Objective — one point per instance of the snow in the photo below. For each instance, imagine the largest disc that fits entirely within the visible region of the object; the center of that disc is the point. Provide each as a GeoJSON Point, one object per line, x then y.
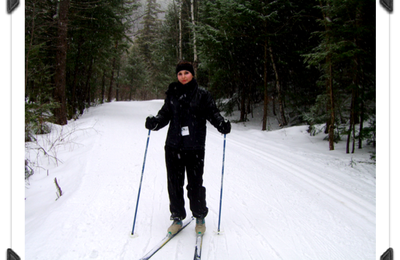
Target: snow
{"type": "Point", "coordinates": [285, 195]}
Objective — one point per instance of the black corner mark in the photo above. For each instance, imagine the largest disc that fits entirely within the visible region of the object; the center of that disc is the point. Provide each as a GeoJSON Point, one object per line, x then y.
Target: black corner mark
{"type": "Point", "coordinates": [11, 255]}
{"type": "Point", "coordinates": [388, 4]}
{"type": "Point", "coordinates": [388, 255]}
{"type": "Point", "coordinates": [11, 5]}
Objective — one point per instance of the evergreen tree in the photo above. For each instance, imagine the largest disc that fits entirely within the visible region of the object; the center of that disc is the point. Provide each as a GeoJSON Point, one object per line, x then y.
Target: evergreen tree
{"type": "Point", "coordinates": [146, 38]}
{"type": "Point", "coordinates": [135, 74]}
{"type": "Point", "coordinates": [150, 24]}
{"type": "Point", "coordinates": [85, 49]}
{"type": "Point", "coordinates": [346, 52]}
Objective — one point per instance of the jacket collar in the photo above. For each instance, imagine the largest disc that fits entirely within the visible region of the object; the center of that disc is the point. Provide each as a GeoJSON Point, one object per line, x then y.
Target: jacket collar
{"type": "Point", "coordinates": [182, 91]}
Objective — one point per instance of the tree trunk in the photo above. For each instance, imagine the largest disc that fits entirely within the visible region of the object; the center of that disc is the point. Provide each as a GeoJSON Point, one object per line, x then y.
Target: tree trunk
{"type": "Point", "coordinates": [60, 113]}
{"type": "Point", "coordinates": [194, 38]}
{"type": "Point", "coordinates": [249, 99]}
{"type": "Point", "coordinates": [112, 76]}
{"type": "Point", "coordinates": [30, 45]}
{"type": "Point", "coordinates": [273, 104]}
{"type": "Point", "coordinates": [85, 98]}
{"type": "Point", "coordinates": [117, 86]}
{"type": "Point", "coordinates": [180, 30]}
{"type": "Point", "coordinates": [103, 87]}
{"type": "Point", "coordinates": [109, 95]}
{"type": "Point", "coordinates": [243, 104]}
{"type": "Point", "coordinates": [176, 22]}
{"type": "Point", "coordinates": [360, 135]}
{"type": "Point", "coordinates": [332, 123]}
{"type": "Point", "coordinates": [351, 127]}
{"type": "Point", "coordinates": [329, 83]}
{"type": "Point", "coordinates": [76, 71]}
{"type": "Point", "coordinates": [131, 89]}
{"type": "Point", "coordinates": [264, 123]}
{"type": "Point", "coordinates": [278, 89]}
{"type": "Point", "coordinates": [359, 77]}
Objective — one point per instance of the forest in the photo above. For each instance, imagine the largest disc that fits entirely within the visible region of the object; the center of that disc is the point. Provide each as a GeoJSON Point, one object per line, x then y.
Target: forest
{"type": "Point", "coordinates": [312, 62]}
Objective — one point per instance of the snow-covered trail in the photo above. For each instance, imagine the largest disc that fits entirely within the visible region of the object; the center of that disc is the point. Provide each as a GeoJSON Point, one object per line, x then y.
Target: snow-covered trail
{"type": "Point", "coordinates": [283, 197]}
{"type": "Point", "coordinates": [288, 207]}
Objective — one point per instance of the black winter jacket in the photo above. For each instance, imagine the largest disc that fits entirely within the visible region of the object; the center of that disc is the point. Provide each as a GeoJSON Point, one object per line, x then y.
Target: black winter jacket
{"type": "Point", "coordinates": [188, 106]}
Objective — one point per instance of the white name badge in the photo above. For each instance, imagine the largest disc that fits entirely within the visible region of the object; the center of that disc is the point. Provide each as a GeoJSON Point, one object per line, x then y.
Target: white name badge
{"type": "Point", "coordinates": [185, 130]}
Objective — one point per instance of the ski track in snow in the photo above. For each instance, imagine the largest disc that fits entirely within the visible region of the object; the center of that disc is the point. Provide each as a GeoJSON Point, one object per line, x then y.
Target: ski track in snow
{"type": "Point", "coordinates": [302, 226]}
{"type": "Point", "coordinates": [279, 201]}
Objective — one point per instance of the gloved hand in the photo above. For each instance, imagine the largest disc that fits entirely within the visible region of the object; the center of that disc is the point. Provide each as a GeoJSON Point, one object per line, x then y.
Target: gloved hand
{"type": "Point", "coordinates": [151, 122]}
{"type": "Point", "coordinates": [224, 127]}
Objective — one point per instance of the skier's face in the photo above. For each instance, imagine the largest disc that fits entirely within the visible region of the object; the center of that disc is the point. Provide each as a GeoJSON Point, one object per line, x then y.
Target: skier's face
{"type": "Point", "coordinates": [184, 76]}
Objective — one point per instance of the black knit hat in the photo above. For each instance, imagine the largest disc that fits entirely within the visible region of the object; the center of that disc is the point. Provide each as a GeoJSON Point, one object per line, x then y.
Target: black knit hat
{"type": "Point", "coordinates": [185, 65]}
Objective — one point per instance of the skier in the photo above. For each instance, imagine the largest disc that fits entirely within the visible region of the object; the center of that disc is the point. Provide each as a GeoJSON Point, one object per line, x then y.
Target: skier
{"type": "Point", "coordinates": [186, 108]}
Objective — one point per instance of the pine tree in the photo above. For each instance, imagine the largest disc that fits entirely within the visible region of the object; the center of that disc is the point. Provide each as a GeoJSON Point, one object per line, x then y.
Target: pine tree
{"type": "Point", "coordinates": [149, 32]}
{"type": "Point", "coordinates": [63, 69]}
{"type": "Point", "coordinates": [347, 53]}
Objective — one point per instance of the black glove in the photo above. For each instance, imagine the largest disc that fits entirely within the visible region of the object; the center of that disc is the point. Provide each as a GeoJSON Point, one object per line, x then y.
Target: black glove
{"type": "Point", "coordinates": [151, 122]}
{"type": "Point", "coordinates": [224, 127]}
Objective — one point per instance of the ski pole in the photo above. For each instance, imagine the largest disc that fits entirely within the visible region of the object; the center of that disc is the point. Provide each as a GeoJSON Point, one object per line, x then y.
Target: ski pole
{"type": "Point", "coordinates": [222, 182]}
{"type": "Point", "coordinates": [140, 184]}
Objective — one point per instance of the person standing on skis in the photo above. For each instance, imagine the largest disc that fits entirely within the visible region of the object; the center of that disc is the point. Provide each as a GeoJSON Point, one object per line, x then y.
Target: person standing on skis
{"type": "Point", "coordinates": [186, 108]}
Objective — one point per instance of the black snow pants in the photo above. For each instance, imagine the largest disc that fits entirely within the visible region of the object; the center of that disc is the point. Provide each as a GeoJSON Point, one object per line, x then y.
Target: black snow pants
{"type": "Point", "coordinates": [177, 161]}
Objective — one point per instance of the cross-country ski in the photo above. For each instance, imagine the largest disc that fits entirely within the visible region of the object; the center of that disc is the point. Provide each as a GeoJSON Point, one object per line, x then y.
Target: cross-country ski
{"type": "Point", "coordinates": [164, 241]}
{"type": "Point", "coordinates": [198, 246]}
